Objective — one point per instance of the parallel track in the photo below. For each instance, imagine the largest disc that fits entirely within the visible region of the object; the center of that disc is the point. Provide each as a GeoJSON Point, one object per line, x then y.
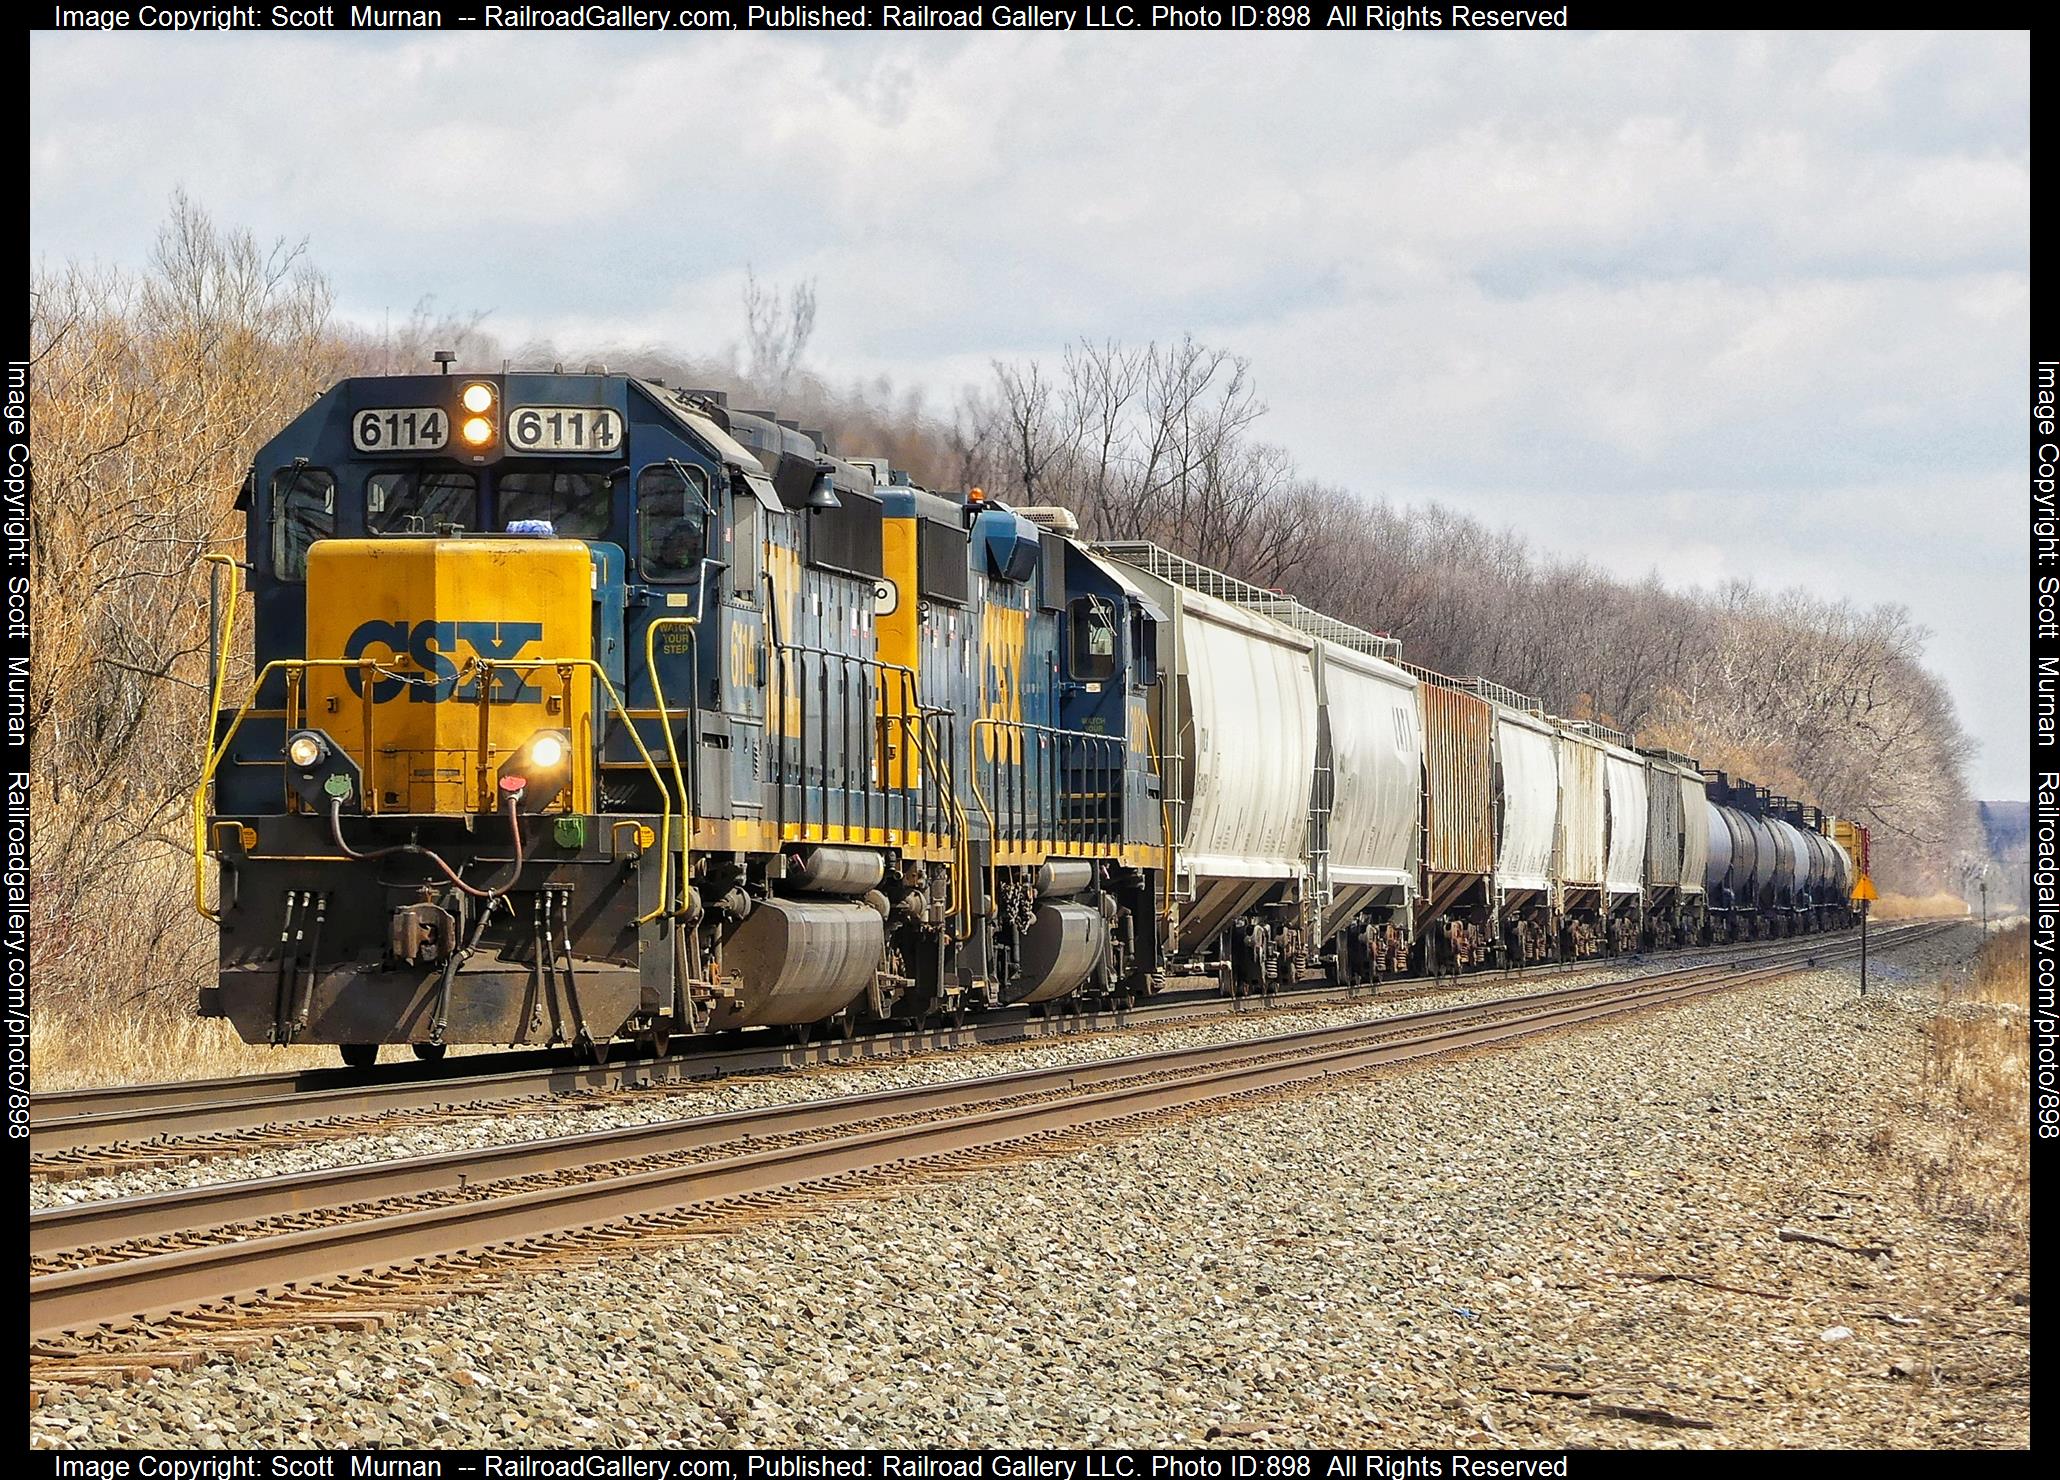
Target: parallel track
{"type": "Point", "coordinates": [250, 1240]}
{"type": "Point", "coordinates": [66, 1124]}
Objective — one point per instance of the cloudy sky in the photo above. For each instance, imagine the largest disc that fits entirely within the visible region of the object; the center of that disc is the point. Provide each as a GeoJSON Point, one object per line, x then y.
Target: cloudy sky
{"type": "Point", "coordinates": [1723, 305]}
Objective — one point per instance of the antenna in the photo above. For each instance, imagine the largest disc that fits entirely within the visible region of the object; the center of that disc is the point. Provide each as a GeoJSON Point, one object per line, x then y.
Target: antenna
{"type": "Point", "coordinates": [443, 357]}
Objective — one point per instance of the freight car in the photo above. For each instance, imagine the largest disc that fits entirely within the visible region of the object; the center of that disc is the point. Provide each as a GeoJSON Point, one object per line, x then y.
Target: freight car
{"type": "Point", "coordinates": [582, 706]}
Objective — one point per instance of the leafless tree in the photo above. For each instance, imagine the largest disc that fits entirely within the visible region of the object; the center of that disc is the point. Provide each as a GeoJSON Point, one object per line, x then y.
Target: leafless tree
{"type": "Point", "coordinates": [778, 326]}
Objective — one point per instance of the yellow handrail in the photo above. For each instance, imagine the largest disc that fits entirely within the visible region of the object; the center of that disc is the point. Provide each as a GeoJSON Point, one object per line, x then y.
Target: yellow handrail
{"type": "Point", "coordinates": [222, 641]}
{"type": "Point", "coordinates": [962, 848]}
{"type": "Point", "coordinates": [980, 792]}
{"type": "Point", "coordinates": [485, 669]}
{"type": "Point", "coordinates": [671, 746]}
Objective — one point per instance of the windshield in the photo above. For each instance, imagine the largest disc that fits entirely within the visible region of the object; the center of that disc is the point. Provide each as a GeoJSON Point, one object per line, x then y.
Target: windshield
{"type": "Point", "coordinates": [420, 503]}
{"type": "Point", "coordinates": [576, 504]}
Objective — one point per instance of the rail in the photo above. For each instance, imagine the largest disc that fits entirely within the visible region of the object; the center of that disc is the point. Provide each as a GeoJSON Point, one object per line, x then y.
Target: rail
{"type": "Point", "coordinates": [177, 1119]}
{"type": "Point", "coordinates": [1596, 730]}
{"type": "Point", "coordinates": [111, 1264]}
{"type": "Point", "coordinates": [1482, 688]}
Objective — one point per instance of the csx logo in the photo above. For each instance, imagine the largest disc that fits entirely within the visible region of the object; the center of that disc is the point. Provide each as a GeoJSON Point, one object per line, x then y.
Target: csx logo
{"type": "Point", "coordinates": [439, 649]}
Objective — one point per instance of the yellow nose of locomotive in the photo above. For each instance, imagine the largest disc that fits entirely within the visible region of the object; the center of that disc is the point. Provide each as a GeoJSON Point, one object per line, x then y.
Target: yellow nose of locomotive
{"type": "Point", "coordinates": [470, 663]}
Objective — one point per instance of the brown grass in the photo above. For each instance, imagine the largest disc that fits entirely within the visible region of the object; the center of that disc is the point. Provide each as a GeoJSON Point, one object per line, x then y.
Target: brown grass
{"type": "Point", "coordinates": [1893, 906]}
{"type": "Point", "coordinates": [158, 1046]}
{"type": "Point", "coordinates": [69, 1050]}
{"type": "Point", "coordinates": [1975, 1088]}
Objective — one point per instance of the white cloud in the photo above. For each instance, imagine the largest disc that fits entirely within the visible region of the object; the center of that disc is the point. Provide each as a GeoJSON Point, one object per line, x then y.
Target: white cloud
{"type": "Point", "coordinates": [1712, 303]}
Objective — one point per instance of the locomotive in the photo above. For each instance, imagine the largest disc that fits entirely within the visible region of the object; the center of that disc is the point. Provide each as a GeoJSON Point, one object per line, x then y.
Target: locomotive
{"type": "Point", "coordinates": [587, 707]}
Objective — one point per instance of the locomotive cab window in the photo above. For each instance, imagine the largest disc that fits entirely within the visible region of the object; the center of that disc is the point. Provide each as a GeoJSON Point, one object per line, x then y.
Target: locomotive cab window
{"type": "Point", "coordinates": [672, 528]}
{"type": "Point", "coordinates": [303, 511]}
{"type": "Point", "coordinates": [1093, 623]}
{"type": "Point", "coordinates": [577, 505]}
{"type": "Point", "coordinates": [415, 502]}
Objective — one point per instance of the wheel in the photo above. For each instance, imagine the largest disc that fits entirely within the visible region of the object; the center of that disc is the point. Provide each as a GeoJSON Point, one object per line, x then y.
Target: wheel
{"type": "Point", "coordinates": [428, 1053]}
{"type": "Point", "coordinates": [359, 1055]}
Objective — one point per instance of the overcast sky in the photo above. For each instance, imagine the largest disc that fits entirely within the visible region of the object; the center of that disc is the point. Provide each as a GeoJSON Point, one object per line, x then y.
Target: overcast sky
{"type": "Point", "coordinates": [1723, 305]}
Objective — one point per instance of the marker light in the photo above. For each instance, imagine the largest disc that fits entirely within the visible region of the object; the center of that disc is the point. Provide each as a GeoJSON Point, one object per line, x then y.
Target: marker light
{"type": "Point", "coordinates": [547, 751]}
{"type": "Point", "coordinates": [478, 398]}
{"type": "Point", "coordinates": [477, 431]}
{"type": "Point", "coordinates": [305, 750]}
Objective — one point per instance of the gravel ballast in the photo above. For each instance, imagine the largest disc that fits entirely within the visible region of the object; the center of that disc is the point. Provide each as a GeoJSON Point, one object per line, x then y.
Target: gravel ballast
{"type": "Point", "coordinates": [1576, 1241]}
{"type": "Point", "coordinates": [575, 1114]}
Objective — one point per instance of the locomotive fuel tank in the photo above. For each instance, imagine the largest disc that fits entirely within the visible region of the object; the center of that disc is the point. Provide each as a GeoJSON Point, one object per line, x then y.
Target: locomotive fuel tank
{"type": "Point", "coordinates": [1060, 951]}
{"type": "Point", "coordinates": [799, 960]}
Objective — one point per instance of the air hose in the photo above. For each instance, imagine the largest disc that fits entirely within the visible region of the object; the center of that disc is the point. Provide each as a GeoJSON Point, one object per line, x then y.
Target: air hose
{"type": "Point", "coordinates": [514, 826]}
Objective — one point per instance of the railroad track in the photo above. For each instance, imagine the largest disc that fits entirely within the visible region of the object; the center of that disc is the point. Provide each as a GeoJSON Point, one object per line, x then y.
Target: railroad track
{"type": "Point", "coordinates": [92, 1132]}
{"type": "Point", "coordinates": [202, 1257]}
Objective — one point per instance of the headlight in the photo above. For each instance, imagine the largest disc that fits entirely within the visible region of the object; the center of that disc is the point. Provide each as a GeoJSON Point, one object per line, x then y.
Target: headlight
{"type": "Point", "coordinates": [305, 751]}
{"type": "Point", "coordinates": [477, 432]}
{"type": "Point", "coordinates": [538, 769]}
{"type": "Point", "coordinates": [478, 398]}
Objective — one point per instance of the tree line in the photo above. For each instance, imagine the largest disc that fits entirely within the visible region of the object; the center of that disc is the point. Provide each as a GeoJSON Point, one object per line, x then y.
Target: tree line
{"type": "Point", "coordinates": [152, 388]}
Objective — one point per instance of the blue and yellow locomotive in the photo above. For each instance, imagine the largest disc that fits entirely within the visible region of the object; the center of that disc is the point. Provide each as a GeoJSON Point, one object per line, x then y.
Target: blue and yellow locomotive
{"type": "Point", "coordinates": [585, 706]}
{"type": "Point", "coordinates": [588, 707]}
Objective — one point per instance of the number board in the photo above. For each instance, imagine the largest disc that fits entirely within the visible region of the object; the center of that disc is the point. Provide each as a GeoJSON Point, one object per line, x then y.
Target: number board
{"type": "Point", "coordinates": [400, 429]}
{"type": "Point", "coordinates": [564, 429]}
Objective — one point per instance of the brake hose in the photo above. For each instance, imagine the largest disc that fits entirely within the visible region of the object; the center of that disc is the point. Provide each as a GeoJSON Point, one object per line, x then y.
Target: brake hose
{"type": "Point", "coordinates": [514, 826]}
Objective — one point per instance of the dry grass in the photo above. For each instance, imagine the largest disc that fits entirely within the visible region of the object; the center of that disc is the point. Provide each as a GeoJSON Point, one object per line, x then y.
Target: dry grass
{"type": "Point", "coordinates": [1974, 1160]}
{"type": "Point", "coordinates": [70, 1051]}
{"type": "Point", "coordinates": [1918, 906]}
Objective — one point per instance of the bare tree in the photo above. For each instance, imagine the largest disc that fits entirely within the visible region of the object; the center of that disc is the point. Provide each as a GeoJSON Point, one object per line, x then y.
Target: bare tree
{"type": "Point", "coordinates": [778, 326]}
{"type": "Point", "coordinates": [149, 394]}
